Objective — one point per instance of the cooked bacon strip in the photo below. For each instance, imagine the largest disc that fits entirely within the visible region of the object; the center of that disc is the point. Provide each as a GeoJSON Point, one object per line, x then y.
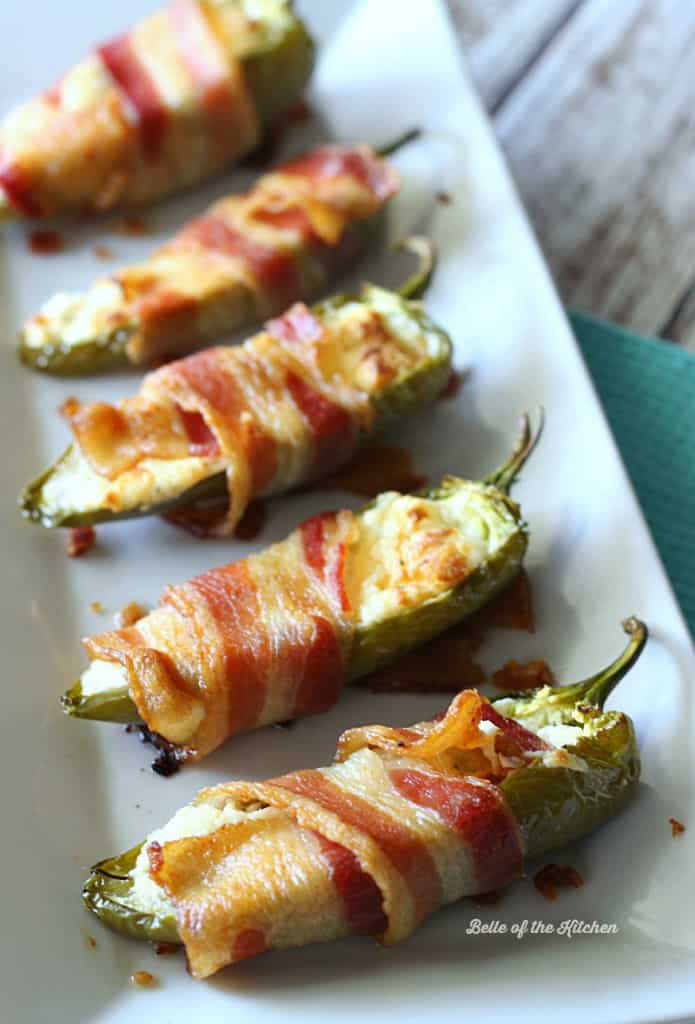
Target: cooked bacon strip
{"type": "Point", "coordinates": [372, 845]}
{"type": "Point", "coordinates": [358, 890]}
{"type": "Point", "coordinates": [406, 852]}
{"type": "Point", "coordinates": [140, 91]}
{"type": "Point", "coordinates": [206, 62]}
{"type": "Point", "coordinates": [478, 811]}
{"type": "Point", "coordinates": [257, 641]}
{"type": "Point", "coordinates": [284, 409]}
{"type": "Point", "coordinates": [333, 162]}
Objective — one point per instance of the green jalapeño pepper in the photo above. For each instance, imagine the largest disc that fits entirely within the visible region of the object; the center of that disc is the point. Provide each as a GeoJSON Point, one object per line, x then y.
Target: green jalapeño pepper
{"type": "Point", "coordinates": [111, 472]}
{"type": "Point", "coordinates": [592, 771]}
{"type": "Point", "coordinates": [407, 568]}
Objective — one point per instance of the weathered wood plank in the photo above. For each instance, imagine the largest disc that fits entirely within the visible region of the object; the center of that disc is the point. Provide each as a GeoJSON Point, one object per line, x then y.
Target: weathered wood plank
{"type": "Point", "coordinates": [600, 136]}
{"type": "Point", "coordinates": [503, 37]}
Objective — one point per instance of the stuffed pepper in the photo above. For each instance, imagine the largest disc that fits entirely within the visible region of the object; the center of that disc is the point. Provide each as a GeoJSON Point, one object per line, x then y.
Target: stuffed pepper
{"type": "Point", "coordinates": [288, 406]}
{"type": "Point", "coordinates": [183, 94]}
{"type": "Point", "coordinates": [276, 635]}
{"type": "Point", "coordinates": [405, 821]}
{"type": "Point", "coordinates": [246, 258]}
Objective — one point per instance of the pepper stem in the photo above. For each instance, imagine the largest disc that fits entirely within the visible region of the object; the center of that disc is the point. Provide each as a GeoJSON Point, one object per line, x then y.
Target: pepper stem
{"type": "Point", "coordinates": [416, 285]}
{"type": "Point", "coordinates": [399, 142]}
{"type": "Point", "coordinates": [596, 689]}
{"type": "Point", "coordinates": [506, 476]}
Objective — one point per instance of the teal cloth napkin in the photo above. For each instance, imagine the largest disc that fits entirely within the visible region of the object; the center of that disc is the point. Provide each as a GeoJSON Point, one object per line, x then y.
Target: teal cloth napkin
{"type": "Point", "coordinates": [647, 388]}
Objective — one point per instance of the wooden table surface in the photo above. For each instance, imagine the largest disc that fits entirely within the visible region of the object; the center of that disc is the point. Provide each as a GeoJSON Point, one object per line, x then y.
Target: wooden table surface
{"type": "Point", "coordinates": [593, 102]}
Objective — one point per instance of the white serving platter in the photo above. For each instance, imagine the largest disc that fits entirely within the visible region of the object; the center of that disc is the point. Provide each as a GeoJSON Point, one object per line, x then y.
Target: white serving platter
{"type": "Point", "coordinates": [74, 792]}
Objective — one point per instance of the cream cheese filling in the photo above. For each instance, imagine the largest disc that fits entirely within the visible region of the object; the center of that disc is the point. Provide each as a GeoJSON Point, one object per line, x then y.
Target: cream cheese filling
{"type": "Point", "coordinates": [76, 487]}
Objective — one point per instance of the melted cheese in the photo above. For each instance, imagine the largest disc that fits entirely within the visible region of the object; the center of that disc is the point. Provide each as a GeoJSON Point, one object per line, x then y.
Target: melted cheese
{"type": "Point", "coordinates": [198, 819]}
{"type": "Point", "coordinates": [76, 487]}
{"type": "Point", "coordinates": [102, 677]}
{"type": "Point", "coordinates": [72, 318]}
{"type": "Point", "coordinates": [410, 549]}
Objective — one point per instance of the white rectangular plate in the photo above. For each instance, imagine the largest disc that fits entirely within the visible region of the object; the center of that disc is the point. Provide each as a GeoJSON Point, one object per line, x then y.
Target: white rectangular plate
{"type": "Point", "coordinates": [76, 792]}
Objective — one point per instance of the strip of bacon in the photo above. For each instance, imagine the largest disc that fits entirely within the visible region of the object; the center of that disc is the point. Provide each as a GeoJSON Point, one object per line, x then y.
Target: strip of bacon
{"type": "Point", "coordinates": [333, 429]}
{"type": "Point", "coordinates": [222, 392]}
{"type": "Point", "coordinates": [522, 738]}
{"type": "Point", "coordinates": [135, 83]}
{"type": "Point", "coordinates": [323, 671]}
{"type": "Point", "coordinates": [478, 811]}
{"type": "Point", "coordinates": [359, 892]}
{"type": "Point", "coordinates": [273, 268]}
{"type": "Point", "coordinates": [342, 161]}
{"type": "Point", "coordinates": [201, 440]}
{"type": "Point", "coordinates": [315, 542]}
{"type": "Point", "coordinates": [201, 54]}
{"type": "Point", "coordinates": [407, 852]}
{"type": "Point", "coordinates": [289, 218]}
{"type": "Point", "coordinates": [298, 324]}
{"type": "Point", "coordinates": [231, 595]}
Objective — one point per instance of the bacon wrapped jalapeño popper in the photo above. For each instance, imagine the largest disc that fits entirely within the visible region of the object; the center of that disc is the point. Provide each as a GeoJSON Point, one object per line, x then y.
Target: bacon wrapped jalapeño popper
{"type": "Point", "coordinates": [186, 92]}
{"type": "Point", "coordinates": [276, 635]}
{"type": "Point", "coordinates": [290, 405]}
{"type": "Point", "coordinates": [245, 259]}
{"type": "Point", "coordinates": [403, 822]}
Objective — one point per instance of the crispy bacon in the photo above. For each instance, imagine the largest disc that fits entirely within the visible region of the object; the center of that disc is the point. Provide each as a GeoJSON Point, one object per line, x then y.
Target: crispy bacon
{"type": "Point", "coordinates": [516, 675]}
{"type": "Point", "coordinates": [288, 218]}
{"type": "Point", "coordinates": [322, 673]}
{"type": "Point", "coordinates": [139, 89]}
{"type": "Point", "coordinates": [274, 268]}
{"type": "Point", "coordinates": [521, 738]}
{"type": "Point", "coordinates": [359, 892]}
{"type": "Point", "coordinates": [222, 393]}
{"type": "Point", "coordinates": [333, 429]}
{"type": "Point", "coordinates": [317, 541]}
{"type": "Point", "coordinates": [202, 55]}
{"type": "Point", "coordinates": [201, 440]}
{"type": "Point", "coordinates": [407, 852]}
{"type": "Point", "coordinates": [343, 161]}
{"type": "Point", "coordinates": [297, 324]}
{"type": "Point", "coordinates": [479, 812]}
{"type": "Point", "coordinates": [231, 595]}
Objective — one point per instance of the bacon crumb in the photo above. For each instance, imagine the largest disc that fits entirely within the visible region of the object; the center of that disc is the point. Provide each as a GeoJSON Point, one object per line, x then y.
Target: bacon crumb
{"type": "Point", "coordinates": [487, 899]}
{"type": "Point", "coordinates": [515, 675]}
{"type": "Point", "coordinates": [557, 876]}
{"type": "Point", "coordinates": [80, 540]}
{"type": "Point", "coordinates": [129, 615]}
{"type": "Point", "coordinates": [90, 942]}
{"type": "Point", "coordinates": [677, 827]}
{"type": "Point", "coordinates": [143, 979]}
{"type": "Point", "coordinates": [165, 948]}
{"type": "Point", "coordinates": [97, 607]}
{"type": "Point", "coordinates": [69, 407]}
{"type": "Point", "coordinates": [102, 252]}
{"type": "Point", "coordinates": [45, 243]}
